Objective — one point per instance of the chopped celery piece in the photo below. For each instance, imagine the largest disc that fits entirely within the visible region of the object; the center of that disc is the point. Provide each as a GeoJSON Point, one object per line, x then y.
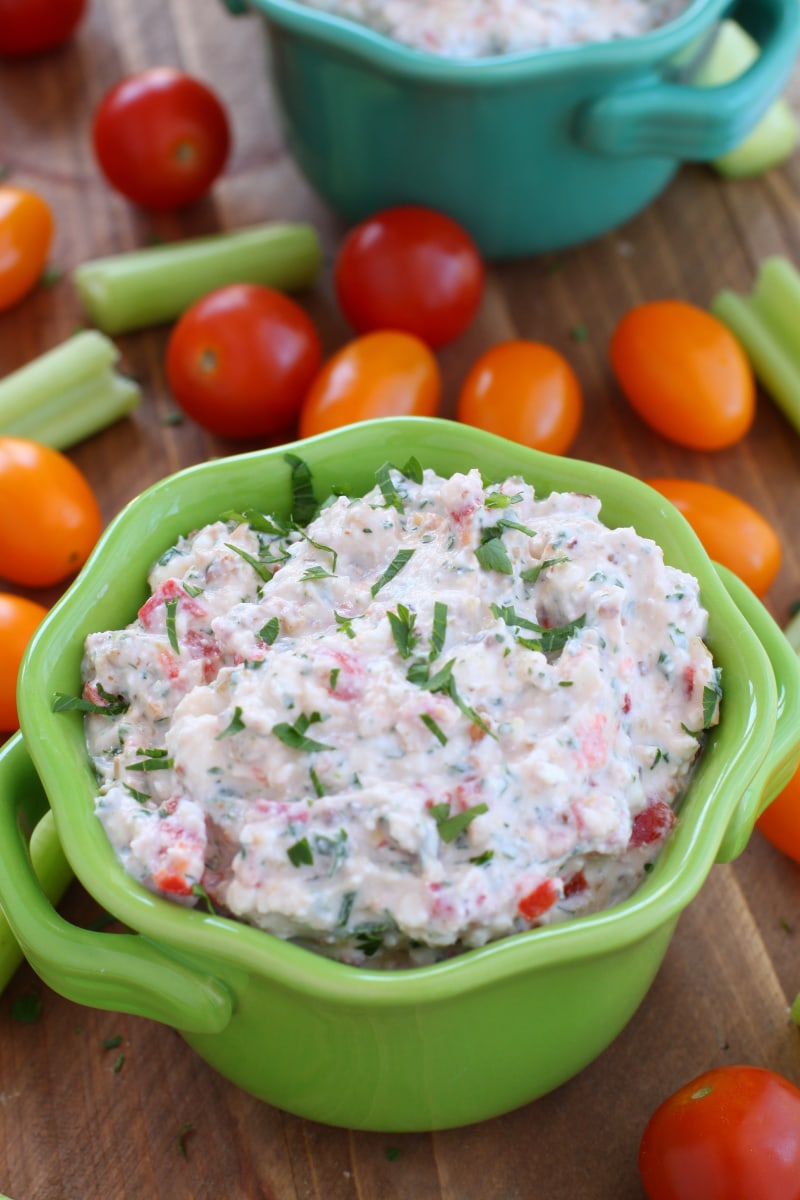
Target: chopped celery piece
{"type": "Point", "coordinates": [766, 323]}
{"type": "Point", "coordinates": [67, 393]}
{"type": "Point", "coordinates": [156, 284]}
{"type": "Point", "coordinates": [792, 631]}
{"type": "Point", "coordinates": [53, 872]}
{"type": "Point", "coordinates": [774, 138]}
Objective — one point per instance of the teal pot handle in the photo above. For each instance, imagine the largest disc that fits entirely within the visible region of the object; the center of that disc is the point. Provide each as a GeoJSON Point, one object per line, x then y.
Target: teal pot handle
{"type": "Point", "coordinates": [673, 120]}
{"type": "Point", "coordinates": [122, 972]}
{"type": "Point", "coordinates": [784, 753]}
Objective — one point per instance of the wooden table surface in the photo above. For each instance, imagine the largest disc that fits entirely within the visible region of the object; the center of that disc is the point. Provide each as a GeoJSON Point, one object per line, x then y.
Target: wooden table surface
{"type": "Point", "coordinates": [78, 1121]}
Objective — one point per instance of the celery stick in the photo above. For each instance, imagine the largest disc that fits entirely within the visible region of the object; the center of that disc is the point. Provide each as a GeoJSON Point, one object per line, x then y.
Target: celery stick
{"type": "Point", "coordinates": [53, 872]}
{"type": "Point", "coordinates": [775, 361]}
{"type": "Point", "coordinates": [792, 631]}
{"type": "Point", "coordinates": [156, 284]}
{"type": "Point", "coordinates": [66, 394]}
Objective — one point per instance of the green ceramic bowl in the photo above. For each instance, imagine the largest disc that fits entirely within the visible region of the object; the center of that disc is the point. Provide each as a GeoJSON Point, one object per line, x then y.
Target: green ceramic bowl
{"type": "Point", "coordinates": [530, 151]}
{"type": "Point", "coordinates": [427, 1048]}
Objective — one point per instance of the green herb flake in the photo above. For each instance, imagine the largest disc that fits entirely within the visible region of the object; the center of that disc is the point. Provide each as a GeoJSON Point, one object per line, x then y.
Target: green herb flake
{"type": "Point", "coordinates": [316, 783]}
{"type": "Point", "coordinates": [392, 1153]}
{"type": "Point", "coordinates": [304, 502]}
{"type": "Point", "coordinates": [182, 1136]}
{"type": "Point", "coordinates": [235, 725]}
{"type": "Point", "coordinates": [402, 625]}
{"type": "Point", "coordinates": [171, 606]}
{"type": "Point", "coordinates": [501, 499]}
{"type": "Point", "coordinates": [119, 1063]}
{"type": "Point", "coordinates": [493, 556]}
{"type": "Point", "coordinates": [316, 572]}
{"type": "Point", "coordinates": [191, 590]}
{"type": "Point", "coordinates": [152, 760]}
{"type": "Point", "coordinates": [27, 1009]}
{"type": "Point", "coordinates": [450, 827]}
{"type": "Point", "coordinates": [482, 859]}
{"type": "Point", "coordinates": [294, 736]}
{"type": "Point", "coordinates": [333, 677]}
{"type": "Point", "coordinates": [712, 693]}
{"type": "Point", "coordinates": [533, 573]}
{"type": "Point", "coordinates": [345, 624]}
{"type": "Point", "coordinates": [391, 496]}
{"type": "Point", "coordinates": [300, 854]}
{"type": "Point", "coordinates": [142, 797]}
{"type": "Point", "coordinates": [394, 568]}
{"type": "Point", "coordinates": [430, 724]}
{"type": "Point", "coordinates": [111, 1043]}
{"type": "Point", "coordinates": [269, 632]}
{"type": "Point", "coordinates": [200, 892]}
{"type": "Point", "coordinates": [439, 632]}
{"type": "Point", "coordinates": [413, 470]}
{"type": "Point", "coordinates": [114, 706]}
{"type": "Point", "coordinates": [262, 567]}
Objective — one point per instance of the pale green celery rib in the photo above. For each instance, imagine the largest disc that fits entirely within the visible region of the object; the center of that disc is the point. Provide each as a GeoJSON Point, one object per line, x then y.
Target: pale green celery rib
{"type": "Point", "coordinates": [158, 283]}
{"type": "Point", "coordinates": [792, 631]}
{"type": "Point", "coordinates": [53, 872]}
{"type": "Point", "coordinates": [68, 393]}
{"type": "Point", "coordinates": [766, 324]}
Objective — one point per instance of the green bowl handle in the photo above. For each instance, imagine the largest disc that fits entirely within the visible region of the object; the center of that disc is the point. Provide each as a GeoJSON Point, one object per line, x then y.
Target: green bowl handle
{"type": "Point", "coordinates": [122, 972]}
{"type": "Point", "coordinates": [784, 752]}
{"type": "Point", "coordinates": [673, 120]}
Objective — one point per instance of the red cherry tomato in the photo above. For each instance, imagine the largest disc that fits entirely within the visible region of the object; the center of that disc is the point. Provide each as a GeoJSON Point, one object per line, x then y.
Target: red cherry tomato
{"type": "Point", "coordinates": [684, 373]}
{"type": "Point", "coordinates": [524, 391]}
{"type": "Point", "coordinates": [409, 268]}
{"type": "Point", "coordinates": [241, 359]}
{"type": "Point", "coordinates": [33, 26]}
{"type": "Point", "coordinates": [731, 530]}
{"type": "Point", "coordinates": [780, 822]}
{"type": "Point", "coordinates": [18, 620]}
{"type": "Point", "coordinates": [161, 137]}
{"type": "Point", "coordinates": [26, 231]}
{"type": "Point", "coordinates": [386, 374]}
{"type": "Point", "coordinates": [730, 1134]}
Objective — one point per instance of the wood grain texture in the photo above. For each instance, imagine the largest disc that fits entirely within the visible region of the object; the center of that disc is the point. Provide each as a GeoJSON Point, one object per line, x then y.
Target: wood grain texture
{"type": "Point", "coordinates": [146, 1119]}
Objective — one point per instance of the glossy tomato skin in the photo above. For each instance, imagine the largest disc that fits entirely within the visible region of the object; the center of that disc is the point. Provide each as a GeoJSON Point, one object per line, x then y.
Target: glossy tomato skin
{"type": "Point", "coordinates": [525, 391]}
{"type": "Point", "coordinates": [780, 821]}
{"type": "Point", "coordinates": [26, 234]}
{"type": "Point", "coordinates": [409, 268]}
{"type": "Point", "coordinates": [30, 27]}
{"type": "Point", "coordinates": [732, 1133]}
{"type": "Point", "coordinates": [161, 137]}
{"type": "Point", "coordinates": [383, 374]}
{"type": "Point", "coordinates": [241, 359]}
{"type": "Point", "coordinates": [18, 620]}
{"type": "Point", "coordinates": [684, 373]}
{"type": "Point", "coordinates": [51, 519]}
{"type": "Point", "coordinates": [732, 531]}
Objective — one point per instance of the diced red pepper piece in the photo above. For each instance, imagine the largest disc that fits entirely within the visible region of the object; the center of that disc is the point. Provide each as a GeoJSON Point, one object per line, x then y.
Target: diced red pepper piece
{"type": "Point", "coordinates": [651, 824]}
{"type": "Point", "coordinates": [543, 896]}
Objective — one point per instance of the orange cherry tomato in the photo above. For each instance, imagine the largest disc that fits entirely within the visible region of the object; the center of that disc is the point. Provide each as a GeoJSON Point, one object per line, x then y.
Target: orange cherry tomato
{"type": "Point", "coordinates": [18, 619]}
{"type": "Point", "coordinates": [26, 231]}
{"type": "Point", "coordinates": [51, 519]}
{"type": "Point", "coordinates": [524, 391]}
{"type": "Point", "coordinates": [383, 374]}
{"type": "Point", "coordinates": [780, 822]}
{"type": "Point", "coordinates": [731, 530]}
{"type": "Point", "coordinates": [684, 373]}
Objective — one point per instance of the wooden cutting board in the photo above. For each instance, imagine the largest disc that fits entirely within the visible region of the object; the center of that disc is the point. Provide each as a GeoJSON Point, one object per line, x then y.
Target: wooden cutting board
{"type": "Point", "coordinates": [96, 1105]}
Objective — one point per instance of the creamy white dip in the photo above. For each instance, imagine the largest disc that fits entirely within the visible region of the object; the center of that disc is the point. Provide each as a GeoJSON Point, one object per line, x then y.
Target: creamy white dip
{"type": "Point", "coordinates": [439, 714]}
{"type": "Point", "coordinates": [477, 28]}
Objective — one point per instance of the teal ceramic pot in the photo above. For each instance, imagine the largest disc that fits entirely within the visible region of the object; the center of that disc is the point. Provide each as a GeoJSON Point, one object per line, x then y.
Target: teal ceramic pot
{"type": "Point", "coordinates": [532, 152]}
{"type": "Point", "coordinates": [422, 1049]}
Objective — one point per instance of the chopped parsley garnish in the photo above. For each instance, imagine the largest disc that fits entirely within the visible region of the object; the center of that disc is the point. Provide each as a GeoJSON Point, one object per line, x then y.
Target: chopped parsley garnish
{"type": "Point", "coordinates": [316, 572]}
{"type": "Point", "coordinates": [548, 640]}
{"type": "Point", "coordinates": [304, 502]}
{"type": "Point", "coordinates": [533, 573]}
{"type": "Point", "coordinates": [201, 893]}
{"type": "Point", "coordinates": [482, 859]}
{"type": "Point", "coordinates": [493, 556]}
{"type": "Point", "coordinates": [430, 724]}
{"type": "Point", "coordinates": [392, 1153]}
{"type": "Point", "coordinates": [413, 470]}
{"type": "Point", "coordinates": [294, 736]}
{"type": "Point", "coordinates": [114, 706]}
{"type": "Point", "coordinates": [333, 677]}
{"type": "Point", "coordinates": [335, 848]}
{"type": "Point", "coordinates": [142, 797]}
{"type": "Point", "coordinates": [450, 827]}
{"type": "Point", "coordinates": [394, 568]}
{"type": "Point", "coordinates": [236, 724]}
{"type": "Point", "coordinates": [191, 590]}
{"type": "Point", "coordinates": [171, 606]}
{"type": "Point", "coordinates": [370, 935]}
{"type": "Point", "coordinates": [712, 693]}
{"type": "Point", "coordinates": [269, 632]}
{"type": "Point", "coordinates": [152, 760]}
{"type": "Point", "coordinates": [505, 523]}
{"type": "Point", "coordinates": [257, 521]}
{"type": "Point", "coordinates": [402, 623]}
{"type": "Point", "coordinates": [439, 632]}
{"type": "Point", "coordinates": [443, 681]}
{"type": "Point", "coordinates": [262, 566]}
{"type": "Point", "coordinates": [119, 1063]}
{"type": "Point", "coordinates": [316, 783]}
{"type": "Point", "coordinates": [501, 499]}
{"type": "Point", "coordinates": [300, 854]}
{"type": "Point", "coordinates": [391, 496]}
{"type": "Point", "coordinates": [111, 1043]}
{"type": "Point", "coordinates": [345, 910]}
{"type": "Point", "coordinates": [345, 624]}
